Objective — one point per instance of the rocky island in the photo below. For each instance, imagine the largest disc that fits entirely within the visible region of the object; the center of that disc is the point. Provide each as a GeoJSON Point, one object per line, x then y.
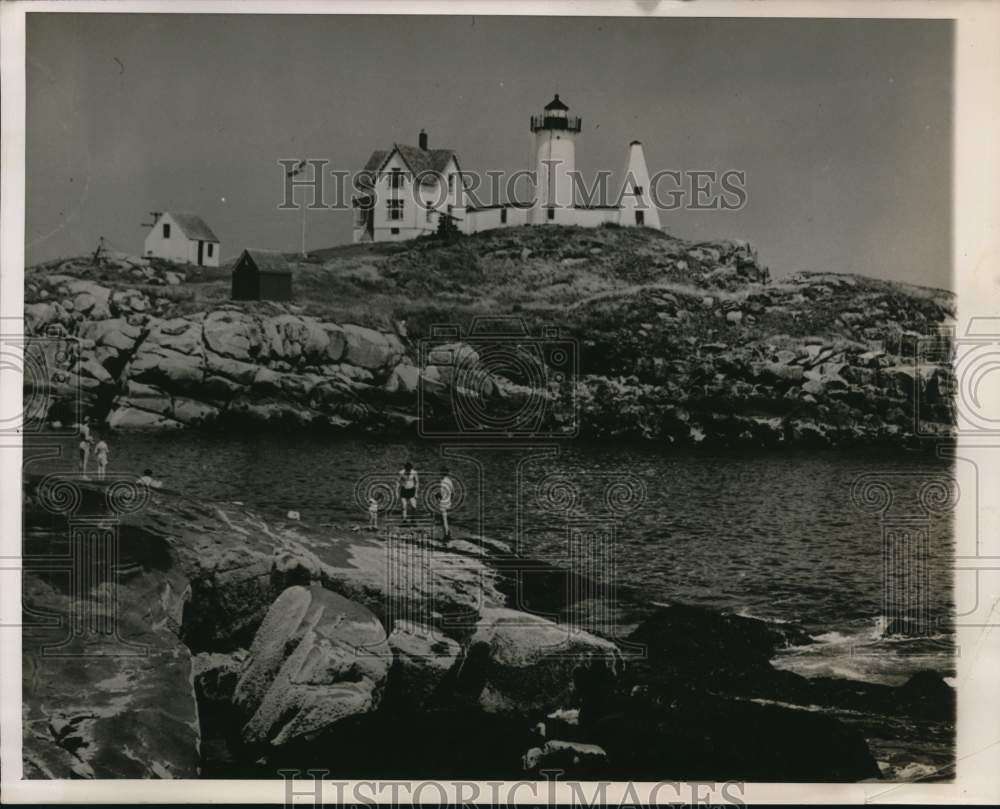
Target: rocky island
{"type": "Point", "coordinates": [241, 644]}
{"type": "Point", "coordinates": [676, 342]}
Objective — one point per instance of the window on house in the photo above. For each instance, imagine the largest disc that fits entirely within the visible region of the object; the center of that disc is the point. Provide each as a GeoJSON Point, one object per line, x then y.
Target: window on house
{"type": "Point", "coordinates": [210, 247]}
{"type": "Point", "coordinates": [396, 179]}
{"type": "Point", "coordinates": [551, 213]}
{"type": "Point", "coordinates": [395, 208]}
{"type": "Point", "coordinates": [637, 190]}
{"type": "Point", "coordinates": [640, 217]}
{"type": "Point", "coordinates": [451, 182]}
{"type": "Point", "coordinates": [503, 216]}
{"type": "Point", "coordinates": [430, 212]}
{"type": "Point", "coordinates": [166, 230]}
{"type": "Point", "coordinates": [394, 231]}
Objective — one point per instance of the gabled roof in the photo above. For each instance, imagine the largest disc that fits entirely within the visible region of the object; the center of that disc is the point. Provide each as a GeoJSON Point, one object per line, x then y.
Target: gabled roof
{"type": "Point", "coordinates": [376, 160]}
{"type": "Point", "coordinates": [422, 163]}
{"type": "Point", "coordinates": [556, 104]}
{"type": "Point", "coordinates": [267, 261]}
{"type": "Point", "coordinates": [193, 226]}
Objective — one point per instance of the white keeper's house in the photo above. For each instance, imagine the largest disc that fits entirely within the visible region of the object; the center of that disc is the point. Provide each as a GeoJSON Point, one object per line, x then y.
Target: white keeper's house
{"type": "Point", "coordinates": [405, 190]}
{"type": "Point", "coordinates": [182, 237]}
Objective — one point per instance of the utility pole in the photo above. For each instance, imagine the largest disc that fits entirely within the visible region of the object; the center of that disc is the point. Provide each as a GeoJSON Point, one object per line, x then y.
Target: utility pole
{"type": "Point", "coordinates": [295, 172]}
{"type": "Point", "coordinates": [304, 255]}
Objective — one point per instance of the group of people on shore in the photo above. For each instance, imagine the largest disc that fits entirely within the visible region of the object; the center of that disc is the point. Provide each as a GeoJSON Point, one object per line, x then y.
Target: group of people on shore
{"type": "Point", "coordinates": [407, 482]}
{"type": "Point", "coordinates": [90, 441]}
{"type": "Point", "coordinates": [92, 444]}
{"type": "Point", "coordinates": [407, 489]}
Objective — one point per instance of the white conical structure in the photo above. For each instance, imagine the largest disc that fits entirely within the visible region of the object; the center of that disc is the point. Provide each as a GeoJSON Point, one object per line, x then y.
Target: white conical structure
{"type": "Point", "coordinates": [637, 208]}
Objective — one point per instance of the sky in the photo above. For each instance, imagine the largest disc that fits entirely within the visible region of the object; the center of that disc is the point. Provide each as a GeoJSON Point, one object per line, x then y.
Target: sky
{"type": "Point", "coordinates": [843, 127]}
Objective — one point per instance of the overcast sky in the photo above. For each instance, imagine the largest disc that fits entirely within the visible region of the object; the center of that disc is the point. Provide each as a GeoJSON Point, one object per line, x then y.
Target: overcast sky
{"type": "Point", "coordinates": [843, 127]}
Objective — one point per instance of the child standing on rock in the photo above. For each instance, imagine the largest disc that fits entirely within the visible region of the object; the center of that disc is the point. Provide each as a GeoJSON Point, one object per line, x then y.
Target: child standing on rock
{"type": "Point", "coordinates": [101, 453]}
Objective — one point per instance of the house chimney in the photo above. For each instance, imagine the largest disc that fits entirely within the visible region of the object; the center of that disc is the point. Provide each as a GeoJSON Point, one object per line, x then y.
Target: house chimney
{"type": "Point", "coordinates": [423, 140]}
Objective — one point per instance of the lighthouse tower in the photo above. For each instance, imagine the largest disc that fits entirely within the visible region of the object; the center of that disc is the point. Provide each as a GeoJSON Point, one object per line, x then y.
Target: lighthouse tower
{"type": "Point", "coordinates": [555, 134]}
{"type": "Point", "coordinates": [636, 203]}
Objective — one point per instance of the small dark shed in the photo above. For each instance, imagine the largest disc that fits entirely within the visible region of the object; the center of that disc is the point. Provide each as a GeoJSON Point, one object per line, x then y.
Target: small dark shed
{"type": "Point", "coordinates": [262, 275]}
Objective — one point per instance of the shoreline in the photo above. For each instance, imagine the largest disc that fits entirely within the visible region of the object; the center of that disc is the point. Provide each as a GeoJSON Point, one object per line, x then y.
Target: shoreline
{"type": "Point", "coordinates": [702, 667]}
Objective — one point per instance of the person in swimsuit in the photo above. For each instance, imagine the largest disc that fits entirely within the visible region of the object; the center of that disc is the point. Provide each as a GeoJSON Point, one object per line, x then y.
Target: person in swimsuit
{"type": "Point", "coordinates": [407, 486]}
{"type": "Point", "coordinates": [84, 446]}
{"type": "Point", "coordinates": [444, 503]}
{"type": "Point", "coordinates": [101, 453]}
{"type": "Point", "coordinates": [148, 480]}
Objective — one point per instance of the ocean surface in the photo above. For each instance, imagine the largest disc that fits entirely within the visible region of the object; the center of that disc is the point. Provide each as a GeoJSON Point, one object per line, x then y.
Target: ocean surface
{"type": "Point", "coordinates": [780, 535]}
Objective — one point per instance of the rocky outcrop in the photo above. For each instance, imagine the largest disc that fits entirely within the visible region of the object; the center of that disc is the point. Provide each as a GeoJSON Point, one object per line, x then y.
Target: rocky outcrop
{"type": "Point", "coordinates": [683, 343]}
{"type": "Point", "coordinates": [288, 644]}
{"type": "Point", "coordinates": [526, 661]}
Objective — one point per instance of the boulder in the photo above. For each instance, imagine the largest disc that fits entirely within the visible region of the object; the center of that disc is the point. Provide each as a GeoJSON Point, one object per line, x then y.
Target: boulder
{"type": "Point", "coordinates": [782, 373]}
{"type": "Point", "coordinates": [403, 379]}
{"type": "Point", "coordinates": [144, 397]}
{"type": "Point", "coordinates": [423, 657]}
{"type": "Point", "coordinates": [95, 370]}
{"type": "Point", "coordinates": [243, 373]}
{"type": "Point", "coordinates": [371, 349]}
{"type": "Point", "coordinates": [336, 342]}
{"type": "Point", "coordinates": [166, 368]}
{"type": "Point", "coordinates": [114, 333]}
{"type": "Point", "coordinates": [296, 339]}
{"type": "Point", "coordinates": [232, 334]}
{"type": "Point", "coordinates": [177, 334]}
{"type": "Point", "coordinates": [127, 417]}
{"type": "Point", "coordinates": [528, 663]}
{"type": "Point", "coordinates": [317, 658]}
{"type": "Point", "coordinates": [266, 382]}
{"type": "Point", "coordinates": [39, 315]}
{"type": "Point", "coordinates": [574, 759]}
{"type": "Point", "coordinates": [193, 412]}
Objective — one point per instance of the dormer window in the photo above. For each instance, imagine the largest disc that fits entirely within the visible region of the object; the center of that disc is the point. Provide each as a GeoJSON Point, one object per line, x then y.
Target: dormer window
{"type": "Point", "coordinates": [396, 179]}
{"type": "Point", "coordinates": [166, 230]}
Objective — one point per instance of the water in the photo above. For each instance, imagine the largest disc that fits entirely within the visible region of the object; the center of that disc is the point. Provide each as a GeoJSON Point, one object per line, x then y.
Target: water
{"type": "Point", "coordinates": [772, 535]}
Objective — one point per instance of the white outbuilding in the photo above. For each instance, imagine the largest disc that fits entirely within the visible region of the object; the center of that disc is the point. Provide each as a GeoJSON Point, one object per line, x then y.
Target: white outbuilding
{"type": "Point", "coordinates": [183, 237]}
